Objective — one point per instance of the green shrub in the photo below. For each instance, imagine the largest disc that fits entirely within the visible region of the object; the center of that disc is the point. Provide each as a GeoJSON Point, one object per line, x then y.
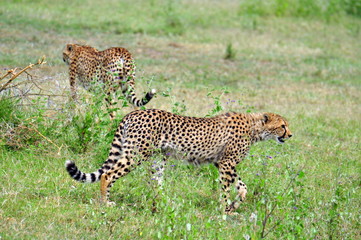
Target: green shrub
{"type": "Point", "coordinates": [300, 8]}
{"type": "Point", "coordinates": [8, 110]}
{"type": "Point", "coordinates": [353, 7]}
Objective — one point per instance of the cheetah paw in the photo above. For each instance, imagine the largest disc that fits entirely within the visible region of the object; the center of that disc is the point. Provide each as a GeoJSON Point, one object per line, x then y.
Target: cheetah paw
{"type": "Point", "coordinates": [110, 204]}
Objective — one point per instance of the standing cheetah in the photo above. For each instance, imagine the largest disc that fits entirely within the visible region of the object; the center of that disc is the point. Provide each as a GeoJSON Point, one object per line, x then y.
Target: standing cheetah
{"type": "Point", "coordinates": [114, 67]}
{"type": "Point", "coordinates": [223, 140]}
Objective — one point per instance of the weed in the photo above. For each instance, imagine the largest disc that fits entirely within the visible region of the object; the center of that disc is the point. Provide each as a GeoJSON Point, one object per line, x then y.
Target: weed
{"type": "Point", "coordinates": [230, 52]}
{"type": "Point", "coordinates": [178, 107]}
{"type": "Point", "coordinates": [218, 107]}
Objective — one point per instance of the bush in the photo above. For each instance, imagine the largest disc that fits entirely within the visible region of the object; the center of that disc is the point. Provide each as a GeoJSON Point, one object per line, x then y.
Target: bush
{"type": "Point", "coordinates": [301, 8]}
{"type": "Point", "coordinates": [353, 7]}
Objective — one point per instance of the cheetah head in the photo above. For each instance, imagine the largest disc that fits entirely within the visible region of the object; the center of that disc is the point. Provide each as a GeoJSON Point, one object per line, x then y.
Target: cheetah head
{"type": "Point", "coordinates": [275, 127]}
{"type": "Point", "coordinates": [69, 52]}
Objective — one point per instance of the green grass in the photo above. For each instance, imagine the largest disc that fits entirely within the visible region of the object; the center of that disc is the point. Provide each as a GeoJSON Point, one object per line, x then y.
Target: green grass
{"type": "Point", "coordinates": [300, 59]}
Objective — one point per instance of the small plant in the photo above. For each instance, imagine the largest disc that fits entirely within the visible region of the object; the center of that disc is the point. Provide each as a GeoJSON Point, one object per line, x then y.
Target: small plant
{"type": "Point", "coordinates": [230, 52]}
{"type": "Point", "coordinates": [8, 110]}
{"type": "Point", "coordinates": [178, 107]}
{"type": "Point", "coordinates": [217, 103]}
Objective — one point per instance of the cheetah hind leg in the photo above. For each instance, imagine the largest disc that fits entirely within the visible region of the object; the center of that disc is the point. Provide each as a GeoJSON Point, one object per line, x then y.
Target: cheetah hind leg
{"type": "Point", "coordinates": [108, 178]}
{"type": "Point", "coordinates": [105, 184]}
{"type": "Point", "coordinates": [110, 103]}
{"type": "Point", "coordinates": [158, 171]}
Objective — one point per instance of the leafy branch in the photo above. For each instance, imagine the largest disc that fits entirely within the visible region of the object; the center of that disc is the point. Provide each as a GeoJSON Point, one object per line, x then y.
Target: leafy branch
{"type": "Point", "coordinates": [269, 214]}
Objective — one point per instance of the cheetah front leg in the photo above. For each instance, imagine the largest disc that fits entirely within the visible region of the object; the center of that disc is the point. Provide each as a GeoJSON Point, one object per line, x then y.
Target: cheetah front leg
{"type": "Point", "coordinates": [72, 81]}
{"type": "Point", "coordinates": [241, 195]}
{"type": "Point", "coordinates": [228, 175]}
{"type": "Point", "coordinates": [225, 175]}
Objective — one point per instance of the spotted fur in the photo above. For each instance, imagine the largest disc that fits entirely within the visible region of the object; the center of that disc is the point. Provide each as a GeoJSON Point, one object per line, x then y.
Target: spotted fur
{"type": "Point", "coordinates": [223, 140]}
{"type": "Point", "coordinates": [114, 67]}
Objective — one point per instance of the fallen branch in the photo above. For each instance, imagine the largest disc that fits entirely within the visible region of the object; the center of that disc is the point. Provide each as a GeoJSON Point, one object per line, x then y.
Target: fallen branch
{"type": "Point", "coordinates": [40, 134]}
{"type": "Point", "coordinates": [46, 138]}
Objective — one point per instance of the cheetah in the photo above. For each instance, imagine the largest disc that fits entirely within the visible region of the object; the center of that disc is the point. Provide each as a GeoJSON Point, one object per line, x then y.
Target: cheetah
{"type": "Point", "coordinates": [114, 67]}
{"type": "Point", "coordinates": [223, 140]}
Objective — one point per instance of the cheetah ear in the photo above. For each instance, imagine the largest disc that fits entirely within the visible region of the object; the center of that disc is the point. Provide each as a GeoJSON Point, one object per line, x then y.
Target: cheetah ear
{"type": "Point", "coordinates": [266, 117]}
{"type": "Point", "coordinates": [70, 47]}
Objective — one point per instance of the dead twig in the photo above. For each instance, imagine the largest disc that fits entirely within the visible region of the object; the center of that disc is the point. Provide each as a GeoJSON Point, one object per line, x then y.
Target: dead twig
{"type": "Point", "coordinates": [17, 74]}
{"type": "Point", "coordinates": [42, 135]}
{"type": "Point", "coordinates": [11, 71]}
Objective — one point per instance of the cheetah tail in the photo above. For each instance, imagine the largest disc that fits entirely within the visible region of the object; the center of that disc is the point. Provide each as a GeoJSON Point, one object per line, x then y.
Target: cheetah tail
{"type": "Point", "coordinates": [78, 175]}
{"type": "Point", "coordinates": [140, 102]}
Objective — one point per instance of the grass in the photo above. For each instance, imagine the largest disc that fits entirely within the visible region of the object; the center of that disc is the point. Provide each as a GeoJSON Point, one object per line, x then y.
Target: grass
{"type": "Point", "coordinates": [203, 57]}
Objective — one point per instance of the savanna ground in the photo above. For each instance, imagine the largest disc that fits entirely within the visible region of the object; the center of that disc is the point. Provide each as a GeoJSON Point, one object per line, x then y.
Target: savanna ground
{"type": "Point", "coordinates": [301, 59]}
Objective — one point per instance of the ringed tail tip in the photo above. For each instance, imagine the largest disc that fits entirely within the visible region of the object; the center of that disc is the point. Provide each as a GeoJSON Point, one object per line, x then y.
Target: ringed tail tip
{"type": "Point", "coordinates": [68, 163]}
{"type": "Point", "coordinates": [70, 167]}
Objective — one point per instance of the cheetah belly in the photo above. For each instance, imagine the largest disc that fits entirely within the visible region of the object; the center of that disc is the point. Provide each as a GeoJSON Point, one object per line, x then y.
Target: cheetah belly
{"type": "Point", "coordinates": [193, 155]}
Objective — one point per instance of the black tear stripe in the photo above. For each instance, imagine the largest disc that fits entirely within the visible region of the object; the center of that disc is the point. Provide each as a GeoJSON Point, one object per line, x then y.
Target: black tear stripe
{"type": "Point", "coordinates": [284, 135]}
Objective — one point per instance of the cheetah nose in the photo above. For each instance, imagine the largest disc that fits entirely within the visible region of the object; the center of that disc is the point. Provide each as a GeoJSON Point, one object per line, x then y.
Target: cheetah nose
{"type": "Point", "coordinates": [290, 135]}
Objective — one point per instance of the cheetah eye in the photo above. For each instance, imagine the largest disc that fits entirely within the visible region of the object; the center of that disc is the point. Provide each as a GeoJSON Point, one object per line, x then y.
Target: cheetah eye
{"type": "Point", "coordinates": [283, 126]}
